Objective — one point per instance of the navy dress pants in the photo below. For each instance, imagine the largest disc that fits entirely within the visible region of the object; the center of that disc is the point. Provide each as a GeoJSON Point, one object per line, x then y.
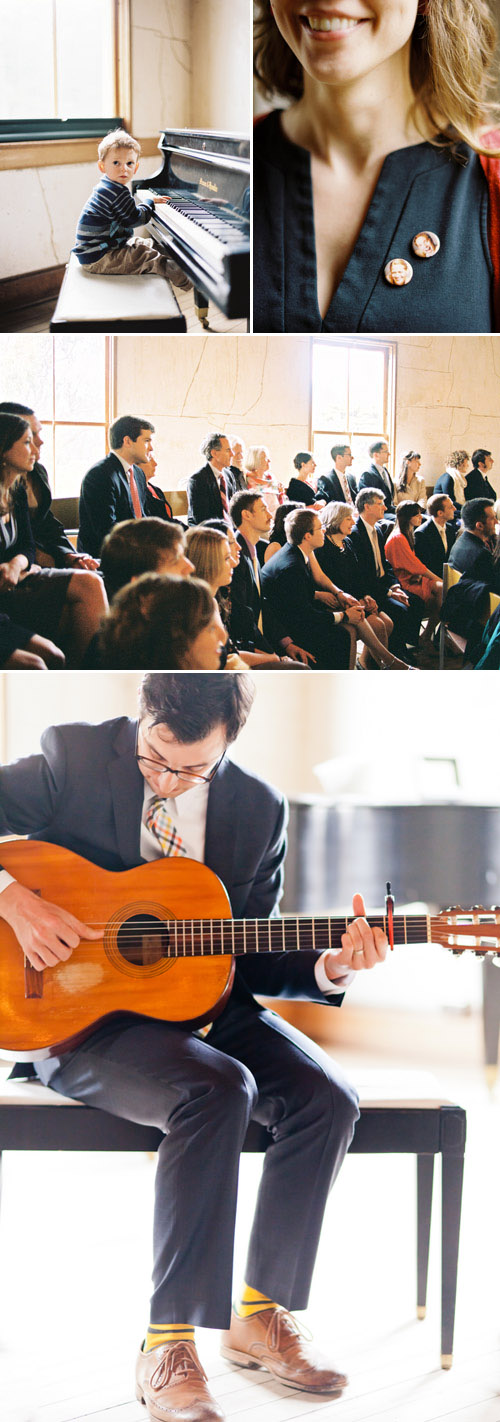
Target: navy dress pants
{"type": "Point", "coordinates": [202, 1095]}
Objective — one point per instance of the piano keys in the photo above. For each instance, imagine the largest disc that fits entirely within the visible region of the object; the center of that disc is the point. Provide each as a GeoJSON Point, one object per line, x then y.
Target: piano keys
{"type": "Point", "coordinates": [205, 226]}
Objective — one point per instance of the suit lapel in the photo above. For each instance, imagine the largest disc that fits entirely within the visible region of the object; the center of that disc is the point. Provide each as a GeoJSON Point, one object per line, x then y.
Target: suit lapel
{"type": "Point", "coordinates": [220, 837]}
{"type": "Point", "coordinates": [127, 792]}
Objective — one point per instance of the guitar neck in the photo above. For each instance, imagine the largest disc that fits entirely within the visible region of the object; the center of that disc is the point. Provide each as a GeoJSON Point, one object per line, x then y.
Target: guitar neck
{"type": "Point", "coordinates": [206, 937]}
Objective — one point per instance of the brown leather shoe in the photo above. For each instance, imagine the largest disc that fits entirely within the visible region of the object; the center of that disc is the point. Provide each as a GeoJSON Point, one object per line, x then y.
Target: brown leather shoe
{"type": "Point", "coordinates": [272, 1339]}
{"type": "Point", "coordinates": [171, 1382]}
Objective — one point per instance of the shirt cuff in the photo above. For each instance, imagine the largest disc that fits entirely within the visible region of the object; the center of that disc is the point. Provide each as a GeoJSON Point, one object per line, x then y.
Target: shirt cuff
{"type": "Point", "coordinates": [325, 983]}
{"type": "Point", "coordinates": [5, 880]}
{"type": "Point", "coordinates": [338, 617]}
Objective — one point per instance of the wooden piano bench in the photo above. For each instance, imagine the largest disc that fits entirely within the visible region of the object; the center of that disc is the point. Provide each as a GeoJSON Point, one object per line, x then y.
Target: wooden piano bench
{"type": "Point", "coordinates": [401, 1112]}
{"type": "Point", "coordinates": [115, 303]}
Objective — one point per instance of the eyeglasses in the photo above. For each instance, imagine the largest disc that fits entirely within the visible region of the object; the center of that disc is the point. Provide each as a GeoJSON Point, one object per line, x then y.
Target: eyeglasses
{"type": "Point", "coordinates": [190, 777]}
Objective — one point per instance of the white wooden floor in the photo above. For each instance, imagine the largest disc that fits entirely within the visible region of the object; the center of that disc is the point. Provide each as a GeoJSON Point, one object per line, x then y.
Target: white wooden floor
{"type": "Point", "coordinates": [74, 1266]}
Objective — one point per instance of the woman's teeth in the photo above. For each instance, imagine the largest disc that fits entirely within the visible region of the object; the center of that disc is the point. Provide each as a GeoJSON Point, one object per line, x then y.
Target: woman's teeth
{"type": "Point", "coordinates": [330, 25]}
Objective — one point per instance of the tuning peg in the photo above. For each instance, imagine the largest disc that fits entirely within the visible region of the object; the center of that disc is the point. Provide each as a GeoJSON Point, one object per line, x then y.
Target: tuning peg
{"type": "Point", "coordinates": [457, 952]}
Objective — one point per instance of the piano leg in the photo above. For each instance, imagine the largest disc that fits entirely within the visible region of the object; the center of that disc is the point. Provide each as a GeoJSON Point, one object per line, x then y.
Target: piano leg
{"type": "Point", "coordinates": [201, 308]}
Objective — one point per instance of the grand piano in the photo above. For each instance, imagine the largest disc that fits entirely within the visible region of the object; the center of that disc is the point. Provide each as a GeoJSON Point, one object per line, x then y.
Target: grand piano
{"type": "Point", "coordinates": [205, 226]}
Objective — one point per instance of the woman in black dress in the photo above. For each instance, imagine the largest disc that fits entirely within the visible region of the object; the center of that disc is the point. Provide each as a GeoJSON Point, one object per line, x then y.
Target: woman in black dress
{"type": "Point", "coordinates": [376, 184]}
{"type": "Point", "coordinates": [375, 630]}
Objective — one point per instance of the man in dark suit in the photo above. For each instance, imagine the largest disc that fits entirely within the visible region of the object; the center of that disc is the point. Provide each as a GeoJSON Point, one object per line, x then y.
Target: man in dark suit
{"type": "Point", "coordinates": [339, 486]}
{"type": "Point", "coordinates": [377, 476]}
{"type": "Point", "coordinates": [289, 590]}
{"type": "Point", "coordinates": [477, 484]}
{"type": "Point", "coordinates": [115, 488]}
{"type": "Point", "coordinates": [211, 488]}
{"type": "Point", "coordinates": [372, 574]}
{"type": "Point", "coordinates": [111, 792]}
{"type": "Point", "coordinates": [48, 532]}
{"type": "Point", "coordinates": [435, 538]}
{"type": "Point", "coordinates": [254, 625]}
{"type": "Point", "coordinates": [471, 552]}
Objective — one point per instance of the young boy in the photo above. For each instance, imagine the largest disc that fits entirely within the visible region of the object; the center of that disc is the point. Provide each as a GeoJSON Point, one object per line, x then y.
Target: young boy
{"type": "Point", "coordinates": [107, 222]}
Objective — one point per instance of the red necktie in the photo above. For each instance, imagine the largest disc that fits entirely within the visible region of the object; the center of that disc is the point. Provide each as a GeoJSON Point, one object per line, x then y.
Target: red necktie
{"type": "Point", "coordinates": [223, 493]}
{"type": "Point", "coordinates": [134, 494]}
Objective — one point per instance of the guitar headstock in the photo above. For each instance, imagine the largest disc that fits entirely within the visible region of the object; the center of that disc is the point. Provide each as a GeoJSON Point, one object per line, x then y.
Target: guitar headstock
{"type": "Point", "coordinates": [462, 930]}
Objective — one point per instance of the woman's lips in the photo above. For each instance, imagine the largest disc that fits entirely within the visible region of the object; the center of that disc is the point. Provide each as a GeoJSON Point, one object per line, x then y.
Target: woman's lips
{"type": "Point", "coordinates": [328, 26]}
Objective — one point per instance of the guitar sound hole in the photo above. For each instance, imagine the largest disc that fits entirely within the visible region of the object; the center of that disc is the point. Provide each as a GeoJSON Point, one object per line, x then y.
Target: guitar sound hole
{"type": "Point", "coordinates": [143, 940]}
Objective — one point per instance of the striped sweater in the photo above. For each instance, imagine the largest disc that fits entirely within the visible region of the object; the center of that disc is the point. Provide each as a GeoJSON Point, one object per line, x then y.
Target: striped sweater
{"type": "Point", "coordinates": [108, 220]}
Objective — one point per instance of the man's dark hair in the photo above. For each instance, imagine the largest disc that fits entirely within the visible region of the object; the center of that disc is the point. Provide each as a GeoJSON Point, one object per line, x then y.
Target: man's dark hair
{"type": "Point", "coordinates": [474, 512]}
{"type": "Point", "coordinates": [367, 496]}
{"type": "Point", "coordinates": [244, 499]}
{"type": "Point", "coordinates": [9, 407]}
{"type": "Point", "coordinates": [218, 523]}
{"type": "Point", "coordinates": [302, 458]}
{"type": "Point", "coordinates": [127, 425]}
{"type": "Point", "coordinates": [376, 446]}
{"type": "Point", "coordinates": [337, 450]}
{"type": "Point", "coordinates": [436, 503]}
{"type": "Point", "coordinates": [478, 457]}
{"type": "Point", "coordinates": [134, 547]}
{"type": "Point", "coordinates": [298, 523]}
{"type": "Point", "coordinates": [192, 706]}
{"type": "Point", "coordinates": [213, 441]}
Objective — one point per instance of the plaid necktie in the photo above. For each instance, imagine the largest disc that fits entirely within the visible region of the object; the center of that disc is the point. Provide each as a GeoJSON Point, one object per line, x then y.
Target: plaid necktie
{"type": "Point", "coordinates": [162, 826]}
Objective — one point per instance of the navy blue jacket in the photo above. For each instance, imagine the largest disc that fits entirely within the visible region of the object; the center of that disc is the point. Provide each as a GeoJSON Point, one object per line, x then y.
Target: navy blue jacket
{"type": "Point", "coordinates": [105, 499]}
{"type": "Point", "coordinates": [429, 546]}
{"type": "Point", "coordinates": [329, 487]}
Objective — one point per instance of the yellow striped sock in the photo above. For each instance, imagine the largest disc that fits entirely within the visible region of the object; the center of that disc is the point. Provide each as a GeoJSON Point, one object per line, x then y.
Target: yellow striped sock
{"type": "Point", "coordinates": [252, 1301]}
{"type": "Point", "coordinates": [159, 1333]}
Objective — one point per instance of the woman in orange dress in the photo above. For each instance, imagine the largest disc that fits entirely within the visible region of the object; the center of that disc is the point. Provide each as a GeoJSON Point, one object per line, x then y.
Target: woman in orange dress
{"type": "Point", "coordinates": [415, 578]}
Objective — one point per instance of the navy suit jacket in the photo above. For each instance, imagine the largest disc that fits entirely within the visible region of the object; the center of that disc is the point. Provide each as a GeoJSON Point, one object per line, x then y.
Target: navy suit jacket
{"type": "Point", "coordinates": [204, 495]}
{"type": "Point", "coordinates": [372, 479]}
{"type": "Point", "coordinates": [105, 499]}
{"type": "Point", "coordinates": [470, 555]}
{"type": "Point", "coordinates": [429, 546]}
{"type": "Point", "coordinates": [85, 793]}
{"type": "Point", "coordinates": [288, 589]}
{"type": "Point", "coordinates": [329, 487]}
{"type": "Point", "coordinates": [362, 564]}
{"type": "Point", "coordinates": [477, 486]}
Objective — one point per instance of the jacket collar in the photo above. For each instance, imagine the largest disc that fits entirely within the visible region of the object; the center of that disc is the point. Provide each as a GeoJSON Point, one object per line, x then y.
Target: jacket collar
{"type": "Point", "coordinates": [127, 791]}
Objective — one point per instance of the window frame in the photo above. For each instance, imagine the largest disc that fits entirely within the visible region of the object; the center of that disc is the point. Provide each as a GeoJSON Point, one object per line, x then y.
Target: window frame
{"type": "Point", "coordinates": [45, 151]}
{"type": "Point", "coordinates": [389, 351]}
{"type": "Point", "coordinates": [109, 408]}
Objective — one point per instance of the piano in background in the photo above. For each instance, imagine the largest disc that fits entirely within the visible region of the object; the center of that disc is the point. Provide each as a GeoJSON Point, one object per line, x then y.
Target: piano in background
{"type": "Point", "coordinates": [206, 225]}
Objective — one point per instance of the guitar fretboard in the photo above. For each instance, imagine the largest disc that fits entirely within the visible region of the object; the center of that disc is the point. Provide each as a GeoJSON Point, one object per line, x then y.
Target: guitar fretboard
{"type": "Point", "coordinates": [194, 938]}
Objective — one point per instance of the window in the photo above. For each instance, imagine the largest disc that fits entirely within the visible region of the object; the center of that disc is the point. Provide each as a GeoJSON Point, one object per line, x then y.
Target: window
{"type": "Point", "coordinates": [352, 397]}
{"type": "Point", "coordinates": [62, 68]}
{"type": "Point", "coordinates": [67, 381]}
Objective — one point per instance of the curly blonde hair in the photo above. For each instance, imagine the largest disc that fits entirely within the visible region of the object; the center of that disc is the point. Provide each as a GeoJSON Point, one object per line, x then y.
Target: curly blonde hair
{"type": "Point", "coordinates": [452, 67]}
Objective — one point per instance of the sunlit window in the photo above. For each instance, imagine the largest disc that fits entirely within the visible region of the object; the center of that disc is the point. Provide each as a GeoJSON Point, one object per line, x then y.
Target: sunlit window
{"type": "Point", "coordinates": [66, 380]}
{"type": "Point", "coordinates": [57, 58]}
{"type": "Point", "coordinates": [352, 387]}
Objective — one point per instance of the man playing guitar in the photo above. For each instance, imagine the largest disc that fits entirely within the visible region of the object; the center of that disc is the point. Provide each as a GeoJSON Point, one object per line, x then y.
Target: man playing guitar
{"type": "Point", "coordinates": [120, 794]}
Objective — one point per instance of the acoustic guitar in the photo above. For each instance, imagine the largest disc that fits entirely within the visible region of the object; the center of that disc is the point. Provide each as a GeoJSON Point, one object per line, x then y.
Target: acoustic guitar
{"type": "Point", "coordinates": [154, 959]}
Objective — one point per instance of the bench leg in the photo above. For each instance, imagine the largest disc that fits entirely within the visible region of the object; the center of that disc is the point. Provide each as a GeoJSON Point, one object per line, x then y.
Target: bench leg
{"type": "Point", "coordinates": [453, 1146]}
{"type": "Point", "coordinates": [425, 1180]}
{"type": "Point", "coordinates": [491, 1019]}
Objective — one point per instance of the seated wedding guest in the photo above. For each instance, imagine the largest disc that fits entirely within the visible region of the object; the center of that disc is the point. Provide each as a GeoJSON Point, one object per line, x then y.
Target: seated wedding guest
{"type": "Point", "coordinates": [477, 484]}
{"type": "Point", "coordinates": [339, 485]}
{"type": "Point", "coordinates": [486, 656]}
{"type": "Point", "coordinates": [377, 476]}
{"type": "Point", "coordinates": [471, 553]}
{"type": "Point", "coordinates": [164, 624]}
{"type": "Point", "coordinates": [253, 626]}
{"type": "Point", "coordinates": [435, 537]}
{"type": "Point", "coordinates": [213, 562]}
{"type": "Point", "coordinates": [259, 478]}
{"type": "Point", "coordinates": [48, 533]}
{"type": "Point", "coordinates": [337, 522]}
{"type": "Point", "coordinates": [289, 589]}
{"type": "Point", "coordinates": [60, 604]}
{"type": "Point", "coordinates": [155, 503]}
{"type": "Point", "coordinates": [417, 580]}
{"type": "Point", "coordinates": [496, 507]}
{"type": "Point", "coordinates": [301, 486]}
{"type": "Point", "coordinates": [371, 573]}
{"type": "Point", "coordinates": [409, 483]}
{"type": "Point", "coordinates": [210, 489]}
{"type": "Point", "coordinates": [452, 482]}
{"type": "Point", "coordinates": [229, 533]}
{"type": "Point", "coordinates": [113, 490]}
{"type": "Point", "coordinates": [145, 545]}
{"type": "Point", "coordinates": [277, 535]}
{"type": "Point", "coordinates": [22, 650]}
{"type": "Point", "coordinates": [237, 466]}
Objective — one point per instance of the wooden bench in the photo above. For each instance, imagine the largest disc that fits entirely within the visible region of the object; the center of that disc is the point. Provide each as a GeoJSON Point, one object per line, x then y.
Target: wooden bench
{"type": "Point", "coordinates": [401, 1113]}
{"type": "Point", "coordinates": [115, 303]}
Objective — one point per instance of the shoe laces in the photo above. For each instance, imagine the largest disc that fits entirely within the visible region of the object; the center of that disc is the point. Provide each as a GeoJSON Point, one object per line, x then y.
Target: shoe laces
{"type": "Point", "coordinates": [283, 1322]}
{"type": "Point", "coordinates": [178, 1360]}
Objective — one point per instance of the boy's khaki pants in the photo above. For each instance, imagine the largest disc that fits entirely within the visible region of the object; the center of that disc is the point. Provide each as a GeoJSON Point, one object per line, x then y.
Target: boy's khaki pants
{"type": "Point", "coordinates": [137, 257]}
